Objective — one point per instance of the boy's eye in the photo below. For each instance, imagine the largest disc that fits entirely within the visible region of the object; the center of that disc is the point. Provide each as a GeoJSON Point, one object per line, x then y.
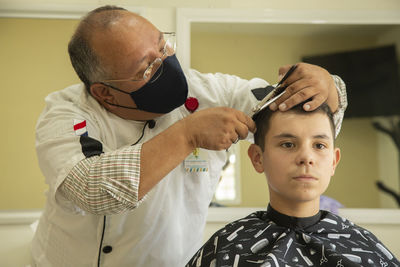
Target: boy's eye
{"type": "Point", "coordinates": [287, 145]}
{"type": "Point", "coordinates": [320, 146]}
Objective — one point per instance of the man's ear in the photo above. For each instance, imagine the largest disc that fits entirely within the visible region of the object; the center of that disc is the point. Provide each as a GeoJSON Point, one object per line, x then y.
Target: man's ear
{"type": "Point", "coordinates": [102, 94]}
{"type": "Point", "coordinates": [256, 156]}
{"type": "Point", "coordinates": [336, 159]}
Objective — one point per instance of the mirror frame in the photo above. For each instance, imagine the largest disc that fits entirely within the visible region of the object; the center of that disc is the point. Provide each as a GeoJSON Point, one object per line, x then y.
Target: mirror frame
{"type": "Point", "coordinates": [186, 16]}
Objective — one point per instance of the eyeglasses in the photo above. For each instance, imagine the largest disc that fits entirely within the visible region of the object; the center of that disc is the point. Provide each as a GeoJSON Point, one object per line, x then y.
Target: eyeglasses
{"type": "Point", "coordinates": [151, 72]}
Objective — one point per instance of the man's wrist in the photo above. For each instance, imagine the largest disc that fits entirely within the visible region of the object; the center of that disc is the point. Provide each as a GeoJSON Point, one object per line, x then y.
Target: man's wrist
{"type": "Point", "coordinates": [186, 132]}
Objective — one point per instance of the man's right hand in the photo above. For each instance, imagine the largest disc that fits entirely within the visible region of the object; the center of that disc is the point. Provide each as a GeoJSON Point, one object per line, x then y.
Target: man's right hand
{"type": "Point", "coordinates": [217, 128]}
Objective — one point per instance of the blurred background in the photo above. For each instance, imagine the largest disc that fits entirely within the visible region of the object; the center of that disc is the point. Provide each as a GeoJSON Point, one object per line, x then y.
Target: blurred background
{"type": "Point", "coordinates": [34, 62]}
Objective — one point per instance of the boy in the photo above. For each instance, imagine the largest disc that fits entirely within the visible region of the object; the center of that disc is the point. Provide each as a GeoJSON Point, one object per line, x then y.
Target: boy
{"type": "Point", "coordinates": [295, 149]}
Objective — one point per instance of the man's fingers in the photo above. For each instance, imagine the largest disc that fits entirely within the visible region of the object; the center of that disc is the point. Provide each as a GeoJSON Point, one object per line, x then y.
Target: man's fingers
{"type": "Point", "coordinates": [316, 101]}
{"type": "Point", "coordinates": [247, 122]}
{"type": "Point", "coordinates": [296, 98]}
{"type": "Point", "coordinates": [243, 125]}
{"type": "Point", "coordinates": [296, 75]}
{"type": "Point", "coordinates": [251, 125]}
{"type": "Point", "coordinates": [236, 140]}
{"type": "Point", "coordinates": [291, 90]}
{"type": "Point", "coordinates": [242, 131]}
{"type": "Point", "coordinates": [282, 71]}
{"type": "Point", "coordinates": [295, 82]}
{"type": "Point", "coordinates": [306, 82]}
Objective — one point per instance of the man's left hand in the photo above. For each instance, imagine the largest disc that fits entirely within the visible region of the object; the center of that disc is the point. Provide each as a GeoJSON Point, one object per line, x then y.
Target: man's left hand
{"type": "Point", "coordinates": [307, 82]}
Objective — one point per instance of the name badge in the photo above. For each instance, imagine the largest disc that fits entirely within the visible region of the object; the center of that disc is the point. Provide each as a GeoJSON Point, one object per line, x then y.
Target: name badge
{"type": "Point", "coordinates": [197, 161]}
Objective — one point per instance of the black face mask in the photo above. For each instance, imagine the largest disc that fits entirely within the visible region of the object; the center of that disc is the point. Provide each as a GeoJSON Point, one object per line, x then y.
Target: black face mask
{"type": "Point", "coordinates": [163, 95]}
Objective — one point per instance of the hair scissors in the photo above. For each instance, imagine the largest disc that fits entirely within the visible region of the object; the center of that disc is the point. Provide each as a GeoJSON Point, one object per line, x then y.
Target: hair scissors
{"type": "Point", "coordinates": [276, 93]}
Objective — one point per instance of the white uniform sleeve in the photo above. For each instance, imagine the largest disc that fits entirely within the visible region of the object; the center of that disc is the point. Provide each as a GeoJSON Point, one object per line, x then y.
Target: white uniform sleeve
{"type": "Point", "coordinates": [220, 89]}
{"type": "Point", "coordinates": [339, 114]}
{"type": "Point", "coordinates": [105, 184]}
{"type": "Point", "coordinates": [83, 173]}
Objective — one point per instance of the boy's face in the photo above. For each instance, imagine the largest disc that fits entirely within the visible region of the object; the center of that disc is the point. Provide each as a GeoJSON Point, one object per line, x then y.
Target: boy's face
{"type": "Point", "coordinates": [299, 157]}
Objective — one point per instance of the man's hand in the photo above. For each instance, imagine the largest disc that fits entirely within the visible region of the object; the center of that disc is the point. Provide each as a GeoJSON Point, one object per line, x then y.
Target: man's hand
{"type": "Point", "coordinates": [307, 81]}
{"type": "Point", "coordinates": [217, 128]}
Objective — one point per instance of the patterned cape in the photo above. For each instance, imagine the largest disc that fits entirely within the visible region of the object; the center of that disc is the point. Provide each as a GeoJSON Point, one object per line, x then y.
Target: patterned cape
{"type": "Point", "coordinates": [269, 238]}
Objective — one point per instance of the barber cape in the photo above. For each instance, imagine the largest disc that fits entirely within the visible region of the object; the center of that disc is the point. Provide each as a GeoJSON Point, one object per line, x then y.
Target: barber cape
{"type": "Point", "coordinates": [269, 238]}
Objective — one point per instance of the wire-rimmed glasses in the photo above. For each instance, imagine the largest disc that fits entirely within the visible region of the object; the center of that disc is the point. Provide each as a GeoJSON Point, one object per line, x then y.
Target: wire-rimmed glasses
{"type": "Point", "coordinates": [151, 72]}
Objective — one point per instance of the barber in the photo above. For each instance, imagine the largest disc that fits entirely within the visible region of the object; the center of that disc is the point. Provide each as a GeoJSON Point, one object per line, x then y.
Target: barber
{"type": "Point", "coordinates": [132, 155]}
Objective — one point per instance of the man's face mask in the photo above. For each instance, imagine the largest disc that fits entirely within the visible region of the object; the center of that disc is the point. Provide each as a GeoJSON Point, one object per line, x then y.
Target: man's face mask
{"type": "Point", "coordinates": [163, 95]}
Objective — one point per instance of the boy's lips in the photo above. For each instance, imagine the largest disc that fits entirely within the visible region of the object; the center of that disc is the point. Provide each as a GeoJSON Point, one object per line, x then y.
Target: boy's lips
{"type": "Point", "coordinates": [304, 177]}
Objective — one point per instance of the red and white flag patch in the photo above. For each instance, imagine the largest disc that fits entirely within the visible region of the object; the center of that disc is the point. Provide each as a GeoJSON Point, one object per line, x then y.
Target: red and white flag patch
{"type": "Point", "coordinates": [80, 127]}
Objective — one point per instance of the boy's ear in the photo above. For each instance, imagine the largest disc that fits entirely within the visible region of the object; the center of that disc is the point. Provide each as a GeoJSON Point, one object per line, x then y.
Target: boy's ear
{"type": "Point", "coordinates": [336, 159]}
{"type": "Point", "coordinates": [256, 156]}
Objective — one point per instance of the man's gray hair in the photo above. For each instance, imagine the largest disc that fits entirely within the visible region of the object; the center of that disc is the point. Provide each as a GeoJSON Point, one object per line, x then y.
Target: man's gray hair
{"type": "Point", "coordinates": [84, 60]}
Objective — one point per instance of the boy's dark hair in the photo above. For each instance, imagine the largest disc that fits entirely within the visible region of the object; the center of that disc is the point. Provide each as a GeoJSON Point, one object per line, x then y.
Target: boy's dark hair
{"type": "Point", "coordinates": [262, 120]}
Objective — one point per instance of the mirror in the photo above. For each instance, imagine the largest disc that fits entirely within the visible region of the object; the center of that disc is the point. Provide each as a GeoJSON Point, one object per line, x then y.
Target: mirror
{"type": "Point", "coordinates": [257, 49]}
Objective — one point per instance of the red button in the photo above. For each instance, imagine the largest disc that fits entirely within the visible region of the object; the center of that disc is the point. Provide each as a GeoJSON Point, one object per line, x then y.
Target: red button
{"type": "Point", "coordinates": [191, 104]}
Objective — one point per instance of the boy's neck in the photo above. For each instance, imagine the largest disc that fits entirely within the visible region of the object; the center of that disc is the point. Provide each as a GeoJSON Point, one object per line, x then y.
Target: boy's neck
{"type": "Point", "coordinates": [298, 209]}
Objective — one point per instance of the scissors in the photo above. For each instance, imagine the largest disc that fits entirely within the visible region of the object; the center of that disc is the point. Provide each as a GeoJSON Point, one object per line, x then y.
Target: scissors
{"type": "Point", "coordinates": [276, 93]}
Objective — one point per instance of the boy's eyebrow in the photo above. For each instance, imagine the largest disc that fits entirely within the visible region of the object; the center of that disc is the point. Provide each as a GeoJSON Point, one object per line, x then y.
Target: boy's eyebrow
{"type": "Point", "coordinates": [288, 135]}
{"type": "Point", "coordinates": [285, 135]}
{"type": "Point", "coordinates": [321, 136]}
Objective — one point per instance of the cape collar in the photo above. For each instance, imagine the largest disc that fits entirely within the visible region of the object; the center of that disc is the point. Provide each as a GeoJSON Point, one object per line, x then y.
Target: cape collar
{"type": "Point", "coordinates": [296, 223]}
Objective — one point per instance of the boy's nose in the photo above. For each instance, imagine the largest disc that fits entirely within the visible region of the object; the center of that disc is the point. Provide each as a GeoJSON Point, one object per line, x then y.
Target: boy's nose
{"type": "Point", "coordinates": [306, 162]}
{"type": "Point", "coordinates": [305, 157]}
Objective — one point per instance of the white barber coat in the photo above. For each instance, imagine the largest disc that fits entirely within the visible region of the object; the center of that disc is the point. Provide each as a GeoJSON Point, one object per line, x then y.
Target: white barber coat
{"type": "Point", "coordinates": [166, 229]}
